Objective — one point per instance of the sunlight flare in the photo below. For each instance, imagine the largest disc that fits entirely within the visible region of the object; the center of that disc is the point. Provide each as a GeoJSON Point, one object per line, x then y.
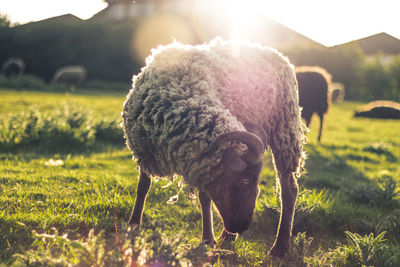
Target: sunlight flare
{"type": "Point", "coordinates": [243, 17]}
{"type": "Point", "coordinates": [237, 19]}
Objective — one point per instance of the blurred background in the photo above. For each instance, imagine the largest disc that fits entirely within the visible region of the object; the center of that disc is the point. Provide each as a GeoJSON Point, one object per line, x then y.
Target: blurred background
{"type": "Point", "coordinates": [111, 39]}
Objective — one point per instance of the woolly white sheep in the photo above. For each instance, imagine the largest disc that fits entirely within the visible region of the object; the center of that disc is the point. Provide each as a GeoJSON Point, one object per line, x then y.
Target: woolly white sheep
{"type": "Point", "coordinates": [208, 113]}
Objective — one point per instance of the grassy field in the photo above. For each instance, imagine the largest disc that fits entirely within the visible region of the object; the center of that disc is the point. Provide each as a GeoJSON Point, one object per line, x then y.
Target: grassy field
{"type": "Point", "coordinates": [67, 186]}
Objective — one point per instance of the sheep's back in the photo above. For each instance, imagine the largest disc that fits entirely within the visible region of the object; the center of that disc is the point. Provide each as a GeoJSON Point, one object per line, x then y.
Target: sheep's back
{"type": "Point", "coordinates": [257, 83]}
{"type": "Point", "coordinates": [313, 91]}
{"type": "Point", "coordinates": [259, 86]}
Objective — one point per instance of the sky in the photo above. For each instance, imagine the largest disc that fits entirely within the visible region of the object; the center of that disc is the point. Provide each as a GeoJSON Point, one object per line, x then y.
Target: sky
{"type": "Point", "coordinates": [328, 22]}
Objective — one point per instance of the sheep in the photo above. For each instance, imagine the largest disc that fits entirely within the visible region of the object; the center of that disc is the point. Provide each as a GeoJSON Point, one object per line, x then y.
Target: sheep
{"type": "Point", "coordinates": [13, 66]}
{"type": "Point", "coordinates": [337, 92]}
{"type": "Point", "coordinates": [314, 96]}
{"type": "Point", "coordinates": [379, 110]}
{"type": "Point", "coordinates": [207, 113]}
{"type": "Point", "coordinates": [72, 75]}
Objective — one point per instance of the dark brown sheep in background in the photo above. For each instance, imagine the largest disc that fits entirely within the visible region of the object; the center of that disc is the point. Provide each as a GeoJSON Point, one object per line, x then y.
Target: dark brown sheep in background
{"type": "Point", "coordinates": [338, 92]}
{"type": "Point", "coordinates": [379, 110]}
{"type": "Point", "coordinates": [314, 96]}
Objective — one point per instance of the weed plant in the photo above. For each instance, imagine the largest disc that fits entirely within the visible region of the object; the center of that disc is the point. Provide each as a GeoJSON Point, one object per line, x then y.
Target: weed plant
{"type": "Point", "coordinates": [64, 128]}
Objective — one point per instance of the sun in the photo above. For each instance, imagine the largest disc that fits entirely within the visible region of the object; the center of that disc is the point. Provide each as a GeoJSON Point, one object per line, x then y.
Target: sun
{"type": "Point", "coordinates": [244, 17]}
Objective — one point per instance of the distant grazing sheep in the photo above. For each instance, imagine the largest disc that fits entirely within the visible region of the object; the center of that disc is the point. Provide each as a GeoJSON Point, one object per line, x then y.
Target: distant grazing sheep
{"type": "Point", "coordinates": [380, 110]}
{"type": "Point", "coordinates": [13, 66]}
{"type": "Point", "coordinates": [314, 94]}
{"type": "Point", "coordinates": [337, 92]}
{"type": "Point", "coordinates": [71, 75]}
{"type": "Point", "coordinates": [208, 113]}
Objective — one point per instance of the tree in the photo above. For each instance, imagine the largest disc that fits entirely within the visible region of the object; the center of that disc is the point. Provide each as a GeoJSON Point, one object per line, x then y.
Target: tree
{"type": "Point", "coordinates": [394, 72]}
{"type": "Point", "coordinates": [4, 21]}
{"type": "Point", "coordinates": [343, 63]}
{"type": "Point", "coordinates": [376, 80]}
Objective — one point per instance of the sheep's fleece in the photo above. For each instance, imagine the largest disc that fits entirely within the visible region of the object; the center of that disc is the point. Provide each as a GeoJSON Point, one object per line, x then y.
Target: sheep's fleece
{"type": "Point", "coordinates": [186, 96]}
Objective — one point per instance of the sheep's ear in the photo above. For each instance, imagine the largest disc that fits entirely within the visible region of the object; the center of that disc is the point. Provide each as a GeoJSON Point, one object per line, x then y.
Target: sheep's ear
{"type": "Point", "coordinates": [232, 161]}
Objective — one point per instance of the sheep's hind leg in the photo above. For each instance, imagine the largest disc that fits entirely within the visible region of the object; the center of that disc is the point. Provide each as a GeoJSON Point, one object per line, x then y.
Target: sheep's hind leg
{"type": "Point", "coordinates": [141, 194]}
{"type": "Point", "coordinates": [208, 231]}
{"type": "Point", "coordinates": [321, 120]}
{"type": "Point", "coordinates": [289, 190]}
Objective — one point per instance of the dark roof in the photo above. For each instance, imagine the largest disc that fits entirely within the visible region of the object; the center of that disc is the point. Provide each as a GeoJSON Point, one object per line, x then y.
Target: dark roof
{"type": "Point", "coordinates": [100, 15]}
{"type": "Point", "coordinates": [275, 34]}
{"type": "Point", "coordinates": [381, 42]}
{"type": "Point", "coordinates": [67, 18]}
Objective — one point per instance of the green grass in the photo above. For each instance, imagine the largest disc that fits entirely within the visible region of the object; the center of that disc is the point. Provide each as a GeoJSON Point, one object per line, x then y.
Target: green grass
{"type": "Point", "coordinates": [348, 211]}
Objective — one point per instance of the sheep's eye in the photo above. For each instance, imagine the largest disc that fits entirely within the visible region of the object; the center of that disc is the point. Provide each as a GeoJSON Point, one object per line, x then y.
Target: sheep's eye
{"type": "Point", "coordinates": [245, 181]}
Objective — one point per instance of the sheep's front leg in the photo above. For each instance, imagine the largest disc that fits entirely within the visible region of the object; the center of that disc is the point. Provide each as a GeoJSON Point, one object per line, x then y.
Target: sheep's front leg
{"type": "Point", "coordinates": [225, 235]}
{"type": "Point", "coordinates": [208, 232]}
{"type": "Point", "coordinates": [289, 190]}
{"type": "Point", "coordinates": [141, 194]}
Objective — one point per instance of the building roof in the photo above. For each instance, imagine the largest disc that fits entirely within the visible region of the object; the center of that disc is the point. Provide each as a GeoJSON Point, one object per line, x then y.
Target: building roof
{"type": "Point", "coordinates": [67, 18]}
{"type": "Point", "coordinates": [284, 37]}
{"type": "Point", "coordinates": [381, 42]}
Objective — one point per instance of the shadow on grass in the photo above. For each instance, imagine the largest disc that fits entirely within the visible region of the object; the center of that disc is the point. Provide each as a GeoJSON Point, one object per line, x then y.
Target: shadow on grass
{"type": "Point", "coordinates": [14, 238]}
{"type": "Point", "coordinates": [333, 172]}
{"type": "Point", "coordinates": [326, 218]}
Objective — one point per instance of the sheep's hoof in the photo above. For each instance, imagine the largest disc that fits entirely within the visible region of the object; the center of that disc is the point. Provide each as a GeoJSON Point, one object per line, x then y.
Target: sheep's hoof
{"type": "Point", "coordinates": [227, 237]}
{"type": "Point", "coordinates": [209, 242]}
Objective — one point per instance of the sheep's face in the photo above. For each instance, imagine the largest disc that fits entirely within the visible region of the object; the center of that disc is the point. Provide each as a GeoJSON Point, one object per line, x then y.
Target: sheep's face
{"type": "Point", "coordinates": [235, 193]}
